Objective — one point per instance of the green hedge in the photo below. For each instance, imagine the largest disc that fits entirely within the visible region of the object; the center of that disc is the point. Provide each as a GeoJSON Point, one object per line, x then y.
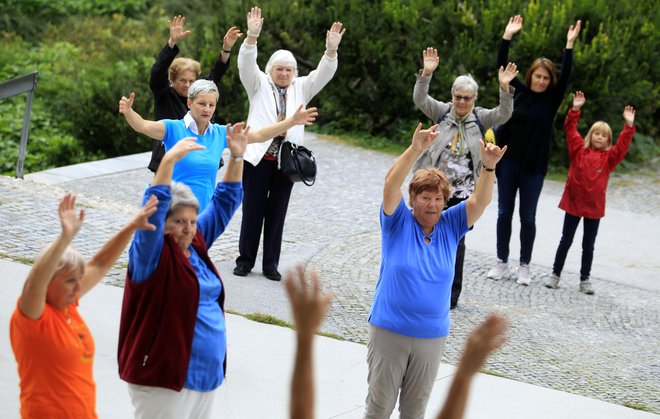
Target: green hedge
{"type": "Point", "coordinates": [89, 57]}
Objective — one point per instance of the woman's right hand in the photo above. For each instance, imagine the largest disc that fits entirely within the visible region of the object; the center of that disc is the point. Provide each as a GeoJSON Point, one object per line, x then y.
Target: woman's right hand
{"type": "Point", "coordinates": [70, 220]}
{"type": "Point", "coordinates": [176, 30]}
{"type": "Point", "coordinates": [578, 100]}
{"type": "Point", "coordinates": [305, 116]}
{"type": "Point", "coordinates": [423, 138]}
{"type": "Point", "coordinates": [183, 147]}
{"type": "Point", "coordinates": [431, 61]}
{"type": "Point", "coordinates": [126, 104]}
{"type": "Point", "coordinates": [513, 27]}
{"type": "Point", "coordinates": [254, 22]}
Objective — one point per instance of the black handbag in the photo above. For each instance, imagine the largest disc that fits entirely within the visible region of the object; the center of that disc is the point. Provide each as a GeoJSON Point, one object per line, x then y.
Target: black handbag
{"type": "Point", "coordinates": [297, 163]}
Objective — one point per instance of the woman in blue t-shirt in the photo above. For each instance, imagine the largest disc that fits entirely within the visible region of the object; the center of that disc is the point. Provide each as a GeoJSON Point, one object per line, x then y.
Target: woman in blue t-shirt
{"type": "Point", "coordinates": [409, 319]}
{"type": "Point", "coordinates": [199, 170]}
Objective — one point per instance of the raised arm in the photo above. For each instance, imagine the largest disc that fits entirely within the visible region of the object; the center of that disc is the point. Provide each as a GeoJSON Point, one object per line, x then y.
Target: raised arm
{"type": "Point", "coordinates": [309, 308]}
{"type": "Point", "coordinates": [153, 129]}
{"type": "Point", "coordinates": [483, 190]}
{"type": "Point", "coordinates": [483, 340]}
{"type": "Point", "coordinates": [301, 117]}
{"type": "Point", "coordinates": [574, 140]}
{"type": "Point", "coordinates": [503, 111]}
{"type": "Point", "coordinates": [333, 39]}
{"type": "Point", "coordinates": [619, 150]}
{"type": "Point", "coordinates": [237, 140]}
{"type": "Point", "coordinates": [513, 27]}
{"type": "Point", "coordinates": [254, 24]}
{"type": "Point", "coordinates": [176, 153]}
{"type": "Point", "coordinates": [102, 261]}
{"type": "Point", "coordinates": [431, 107]}
{"type": "Point", "coordinates": [421, 140]}
{"type": "Point", "coordinates": [33, 298]}
{"type": "Point", "coordinates": [573, 32]}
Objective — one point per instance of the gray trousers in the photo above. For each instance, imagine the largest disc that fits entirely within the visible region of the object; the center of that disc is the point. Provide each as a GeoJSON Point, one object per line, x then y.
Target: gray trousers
{"type": "Point", "coordinates": [398, 362]}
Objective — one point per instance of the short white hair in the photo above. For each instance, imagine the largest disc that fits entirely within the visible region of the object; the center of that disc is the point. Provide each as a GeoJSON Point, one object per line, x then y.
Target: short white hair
{"type": "Point", "coordinates": [182, 196]}
{"type": "Point", "coordinates": [200, 87]}
{"type": "Point", "coordinates": [282, 57]}
{"type": "Point", "coordinates": [465, 83]}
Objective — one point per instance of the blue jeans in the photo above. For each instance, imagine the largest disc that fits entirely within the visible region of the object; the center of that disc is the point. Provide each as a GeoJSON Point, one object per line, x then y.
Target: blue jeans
{"type": "Point", "coordinates": [510, 179]}
{"type": "Point", "coordinates": [588, 240]}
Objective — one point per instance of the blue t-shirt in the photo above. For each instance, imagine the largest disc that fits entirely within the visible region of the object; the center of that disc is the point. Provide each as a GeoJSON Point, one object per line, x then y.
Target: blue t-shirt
{"type": "Point", "coordinates": [414, 287]}
{"type": "Point", "coordinates": [199, 168]}
{"type": "Point", "coordinates": [209, 345]}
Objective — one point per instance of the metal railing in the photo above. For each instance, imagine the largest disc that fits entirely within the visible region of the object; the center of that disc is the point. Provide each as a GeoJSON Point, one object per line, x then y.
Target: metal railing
{"type": "Point", "coordinates": [15, 87]}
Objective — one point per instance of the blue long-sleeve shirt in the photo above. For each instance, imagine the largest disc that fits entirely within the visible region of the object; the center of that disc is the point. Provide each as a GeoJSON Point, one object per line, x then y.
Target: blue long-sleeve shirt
{"type": "Point", "coordinates": [205, 369]}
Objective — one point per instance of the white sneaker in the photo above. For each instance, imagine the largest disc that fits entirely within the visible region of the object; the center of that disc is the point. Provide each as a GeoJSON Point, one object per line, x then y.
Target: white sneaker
{"type": "Point", "coordinates": [498, 271]}
{"type": "Point", "coordinates": [552, 282]}
{"type": "Point", "coordinates": [524, 276]}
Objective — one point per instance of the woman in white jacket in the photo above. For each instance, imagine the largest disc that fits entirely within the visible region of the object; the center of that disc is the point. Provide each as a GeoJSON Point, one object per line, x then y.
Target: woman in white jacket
{"type": "Point", "coordinates": [273, 95]}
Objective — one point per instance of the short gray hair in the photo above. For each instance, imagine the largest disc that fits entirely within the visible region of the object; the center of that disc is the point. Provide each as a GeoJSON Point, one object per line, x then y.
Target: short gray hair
{"type": "Point", "coordinates": [182, 196]}
{"type": "Point", "coordinates": [465, 83]}
{"type": "Point", "coordinates": [201, 87]}
{"type": "Point", "coordinates": [70, 261]}
{"type": "Point", "coordinates": [282, 57]}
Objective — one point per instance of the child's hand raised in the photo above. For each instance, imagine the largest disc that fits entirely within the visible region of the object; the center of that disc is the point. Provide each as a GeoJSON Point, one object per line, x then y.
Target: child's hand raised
{"type": "Point", "coordinates": [629, 115]}
{"type": "Point", "coordinates": [578, 100]}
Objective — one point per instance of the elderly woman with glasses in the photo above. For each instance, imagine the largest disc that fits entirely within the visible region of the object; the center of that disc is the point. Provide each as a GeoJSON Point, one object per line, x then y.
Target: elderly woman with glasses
{"type": "Point", "coordinates": [461, 125]}
{"type": "Point", "coordinates": [199, 170]}
{"type": "Point", "coordinates": [172, 336]}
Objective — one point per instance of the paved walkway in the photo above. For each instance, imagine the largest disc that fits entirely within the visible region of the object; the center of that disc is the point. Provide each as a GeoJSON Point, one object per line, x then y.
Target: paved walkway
{"type": "Point", "coordinates": [603, 346]}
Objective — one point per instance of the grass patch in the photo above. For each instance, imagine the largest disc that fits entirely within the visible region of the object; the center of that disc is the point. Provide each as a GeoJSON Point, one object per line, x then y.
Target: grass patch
{"type": "Point", "coordinates": [268, 319]}
{"type": "Point", "coordinates": [637, 406]}
{"type": "Point", "coordinates": [20, 259]}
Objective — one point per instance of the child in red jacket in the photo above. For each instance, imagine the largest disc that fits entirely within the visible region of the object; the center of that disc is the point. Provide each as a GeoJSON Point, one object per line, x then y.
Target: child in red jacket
{"type": "Point", "coordinates": [591, 161]}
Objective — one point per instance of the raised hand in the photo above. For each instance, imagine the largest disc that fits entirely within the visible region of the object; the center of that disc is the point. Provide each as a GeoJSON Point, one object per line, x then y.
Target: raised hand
{"type": "Point", "coordinates": [507, 74]}
{"type": "Point", "coordinates": [629, 115]}
{"type": "Point", "coordinates": [423, 138]}
{"type": "Point", "coordinates": [176, 29]}
{"type": "Point", "coordinates": [333, 36]}
{"type": "Point", "coordinates": [141, 219]}
{"type": "Point", "coordinates": [578, 100]}
{"type": "Point", "coordinates": [126, 104]}
{"type": "Point", "coordinates": [183, 147]}
{"type": "Point", "coordinates": [237, 139]}
{"type": "Point", "coordinates": [230, 38]}
{"type": "Point", "coordinates": [70, 219]}
{"type": "Point", "coordinates": [431, 61]}
{"type": "Point", "coordinates": [513, 27]}
{"type": "Point", "coordinates": [308, 304]}
{"type": "Point", "coordinates": [573, 32]}
{"type": "Point", "coordinates": [482, 341]}
{"type": "Point", "coordinates": [491, 153]}
{"type": "Point", "coordinates": [254, 22]}
{"type": "Point", "coordinates": [305, 116]}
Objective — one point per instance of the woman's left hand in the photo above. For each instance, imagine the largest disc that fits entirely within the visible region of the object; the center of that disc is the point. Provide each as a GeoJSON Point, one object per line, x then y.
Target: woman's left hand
{"type": "Point", "coordinates": [126, 103]}
{"type": "Point", "coordinates": [491, 154]}
{"type": "Point", "coordinates": [230, 38]}
{"type": "Point", "coordinates": [70, 219]}
{"type": "Point", "coordinates": [305, 116]}
{"type": "Point", "coordinates": [237, 139]}
{"type": "Point", "coordinates": [573, 32]}
{"type": "Point", "coordinates": [423, 138]}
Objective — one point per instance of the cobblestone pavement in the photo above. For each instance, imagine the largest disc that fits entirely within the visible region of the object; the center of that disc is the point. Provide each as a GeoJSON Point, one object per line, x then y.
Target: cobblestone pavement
{"type": "Point", "coordinates": [603, 346]}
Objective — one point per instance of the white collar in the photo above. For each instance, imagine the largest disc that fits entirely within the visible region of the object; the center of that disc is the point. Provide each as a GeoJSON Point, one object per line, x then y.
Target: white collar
{"type": "Point", "coordinates": [190, 123]}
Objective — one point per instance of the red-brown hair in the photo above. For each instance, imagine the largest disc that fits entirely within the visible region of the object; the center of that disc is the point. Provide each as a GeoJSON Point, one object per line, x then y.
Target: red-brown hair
{"type": "Point", "coordinates": [546, 64]}
{"type": "Point", "coordinates": [430, 179]}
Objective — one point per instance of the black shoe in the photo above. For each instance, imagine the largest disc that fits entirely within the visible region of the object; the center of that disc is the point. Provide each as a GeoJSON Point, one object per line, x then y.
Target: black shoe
{"type": "Point", "coordinates": [241, 270]}
{"type": "Point", "coordinates": [273, 275]}
{"type": "Point", "coordinates": [453, 305]}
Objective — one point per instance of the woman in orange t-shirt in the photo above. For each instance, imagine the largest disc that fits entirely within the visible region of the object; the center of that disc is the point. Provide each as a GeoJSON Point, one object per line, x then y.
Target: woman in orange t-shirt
{"type": "Point", "coordinates": [51, 342]}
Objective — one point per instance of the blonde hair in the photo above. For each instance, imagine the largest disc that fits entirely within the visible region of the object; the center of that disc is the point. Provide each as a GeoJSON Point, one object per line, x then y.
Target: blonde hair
{"type": "Point", "coordinates": [183, 64]}
{"type": "Point", "coordinates": [70, 261]}
{"type": "Point", "coordinates": [601, 127]}
{"type": "Point", "coordinates": [430, 179]}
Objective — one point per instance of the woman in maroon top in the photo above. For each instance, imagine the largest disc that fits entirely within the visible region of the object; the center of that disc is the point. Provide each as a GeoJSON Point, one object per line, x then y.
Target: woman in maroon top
{"type": "Point", "coordinates": [592, 160]}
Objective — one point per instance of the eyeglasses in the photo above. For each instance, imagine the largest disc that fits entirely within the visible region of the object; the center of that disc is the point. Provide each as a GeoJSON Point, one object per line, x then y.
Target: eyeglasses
{"type": "Point", "coordinates": [465, 99]}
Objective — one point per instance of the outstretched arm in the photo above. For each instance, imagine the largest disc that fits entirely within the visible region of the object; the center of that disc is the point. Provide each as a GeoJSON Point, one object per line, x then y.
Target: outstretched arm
{"type": "Point", "coordinates": [301, 117]}
{"type": "Point", "coordinates": [421, 140]}
{"type": "Point", "coordinates": [33, 298]}
{"type": "Point", "coordinates": [513, 27]}
{"type": "Point", "coordinates": [237, 140]}
{"type": "Point", "coordinates": [573, 32]}
{"type": "Point", "coordinates": [483, 190]}
{"type": "Point", "coordinates": [309, 308]}
{"type": "Point", "coordinates": [153, 129]}
{"type": "Point", "coordinates": [177, 32]}
{"type": "Point", "coordinates": [179, 151]}
{"type": "Point", "coordinates": [431, 61]}
{"type": "Point", "coordinates": [483, 340]}
{"type": "Point", "coordinates": [102, 261]}
{"type": "Point", "coordinates": [228, 42]}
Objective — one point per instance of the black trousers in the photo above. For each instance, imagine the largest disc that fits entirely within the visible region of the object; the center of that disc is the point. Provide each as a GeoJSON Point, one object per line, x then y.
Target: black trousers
{"type": "Point", "coordinates": [588, 241]}
{"type": "Point", "coordinates": [457, 285]}
{"type": "Point", "coordinates": [266, 195]}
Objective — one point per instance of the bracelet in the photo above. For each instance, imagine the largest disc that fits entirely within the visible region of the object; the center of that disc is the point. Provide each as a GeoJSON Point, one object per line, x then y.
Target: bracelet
{"type": "Point", "coordinates": [488, 169]}
{"type": "Point", "coordinates": [228, 52]}
{"type": "Point", "coordinates": [236, 158]}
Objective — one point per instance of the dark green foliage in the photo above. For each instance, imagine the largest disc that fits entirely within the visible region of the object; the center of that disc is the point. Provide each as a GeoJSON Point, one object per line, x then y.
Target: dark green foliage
{"type": "Point", "coordinates": [88, 57]}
